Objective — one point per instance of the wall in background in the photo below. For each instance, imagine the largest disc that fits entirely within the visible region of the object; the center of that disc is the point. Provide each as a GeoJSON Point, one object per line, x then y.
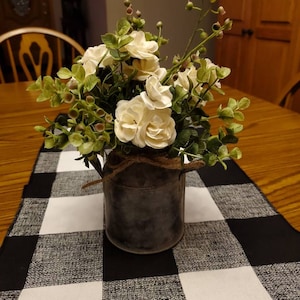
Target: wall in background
{"type": "Point", "coordinates": [57, 14]}
{"type": "Point", "coordinates": [102, 15]}
{"type": "Point", "coordinates": [96, 18]}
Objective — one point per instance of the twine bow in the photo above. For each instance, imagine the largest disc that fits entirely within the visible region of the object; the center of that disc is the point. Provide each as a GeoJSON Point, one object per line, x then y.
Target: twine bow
{"type": "Point", "coordinates": [119, 162]}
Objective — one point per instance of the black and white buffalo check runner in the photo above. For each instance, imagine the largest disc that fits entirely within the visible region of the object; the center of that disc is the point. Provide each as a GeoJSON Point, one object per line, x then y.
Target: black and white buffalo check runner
{"type": "Point", "coordinates": [236, 246]}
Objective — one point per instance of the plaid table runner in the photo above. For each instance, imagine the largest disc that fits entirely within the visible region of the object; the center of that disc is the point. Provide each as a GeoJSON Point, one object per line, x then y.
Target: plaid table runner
{"type": "Point", "coordinates": [236, 246]}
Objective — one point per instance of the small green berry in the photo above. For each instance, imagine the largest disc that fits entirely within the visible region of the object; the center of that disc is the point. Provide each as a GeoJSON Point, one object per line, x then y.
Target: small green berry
{"type": "Point", "coordinates": [127, 3]}
{"type": "Point", "coordinates": [189, 5]}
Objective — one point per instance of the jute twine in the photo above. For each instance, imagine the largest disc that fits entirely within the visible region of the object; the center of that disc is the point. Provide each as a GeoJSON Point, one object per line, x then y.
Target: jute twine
{"type": "Point", "coordinates": [117, 163]}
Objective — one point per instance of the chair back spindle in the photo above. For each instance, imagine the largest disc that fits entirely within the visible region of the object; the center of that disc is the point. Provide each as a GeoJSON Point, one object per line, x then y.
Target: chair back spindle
{"type": "Point", "coordinates": [290, 94]}
{"type": "Point", "coordinates": [29, 52]}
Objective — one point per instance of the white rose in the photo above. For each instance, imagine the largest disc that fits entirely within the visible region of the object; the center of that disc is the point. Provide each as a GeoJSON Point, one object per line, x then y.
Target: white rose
{"type": "Point", "coordinates": [160, 73]}
{"type": "Point", "coordinates": [157, 96]}
{"type": "Point", "coordinates": [158, 131]}
{"type": "Point", "coordinates": [184, 78]}
{"type": "Point", "coordinates": [143, 127]}
{"type": "Point", "coordinates": [94, 56]}
{"type": "Point", "coordinates": [128, 116]}
{"type": "Point", "coordinates": [145, 68]}
{"type": "Point", "coordinates": [139, 47]}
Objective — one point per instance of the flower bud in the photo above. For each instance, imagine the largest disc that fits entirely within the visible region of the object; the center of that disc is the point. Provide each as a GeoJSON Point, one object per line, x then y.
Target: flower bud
{"type": "Point", "coordinates": [203, 35]}
{"type": "Point", "coordinates": [220, 35]}
{"type": "Point", "coordinates": [73, 113]}
{"type": "Point", "coordinates": [108, 118]}
{"type": "Point", "coordinates": [189, 5]}
{"type": "Point", "coordinates": [72, 84]}
{"type": "Point", "coordinates": [176, 59]}
{"type": "Point", "coordinates": [182, 69]}
{"type": "Point", "coordinates": [159, 24]}
{"type": "Point", "coordinates": [90, 99]}
{"type": "Point", "coordinates": [127, 3]}
{"type": "Point", "coordinates": [221, 10]}
{"type": "Point", "coordinates": [138, 13]}
{"type": "Point", "coordinates": [100, 112]}
{"type": "Point", "coordinates": [129, 10]}
{"type": "Point", "coordinates": [228, 24]}
{"type": "Point", "coordinates": [202, 50]}
{"type": "Point", "coordinates": [216, 26]}
{"type": "Point", "coordinates": [68, 98]}
{"type": "Point", "coordinates": [163, 41]}
{"type": "Point", "coordinates": [194, 57]}
{"type": "Point", "coordinates": [99, 127]}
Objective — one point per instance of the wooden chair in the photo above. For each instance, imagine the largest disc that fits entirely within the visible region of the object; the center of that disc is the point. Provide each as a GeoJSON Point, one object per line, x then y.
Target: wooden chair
{"type": "Point", "coordinates": [32, 51]}
{"type": "Point", "coordinates": [290, 94]}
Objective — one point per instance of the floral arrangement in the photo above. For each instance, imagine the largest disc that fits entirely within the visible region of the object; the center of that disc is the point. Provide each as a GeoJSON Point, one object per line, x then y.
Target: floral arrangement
{"type": "Point", "coordinates": [120, 97]}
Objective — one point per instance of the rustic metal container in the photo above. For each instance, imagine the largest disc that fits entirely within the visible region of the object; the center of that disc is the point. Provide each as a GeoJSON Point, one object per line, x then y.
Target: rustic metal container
{"type": "Point", "coordinates": [144, 208]}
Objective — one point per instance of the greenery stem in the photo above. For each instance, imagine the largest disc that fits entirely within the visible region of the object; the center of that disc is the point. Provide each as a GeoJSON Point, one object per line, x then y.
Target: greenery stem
{"type": "Point", "coordinates": [194, 32]}
{"type": "Point", "coordinates": [195, 49]}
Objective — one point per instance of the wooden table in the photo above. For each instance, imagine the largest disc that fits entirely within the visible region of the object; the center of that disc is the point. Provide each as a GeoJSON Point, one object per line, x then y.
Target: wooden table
{"type": "Point", "coordinates": [270, 144]}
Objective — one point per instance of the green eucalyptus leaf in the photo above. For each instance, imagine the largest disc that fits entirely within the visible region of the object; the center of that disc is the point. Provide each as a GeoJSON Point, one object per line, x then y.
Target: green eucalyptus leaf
{"type": "Point", "coordinates": [55, 100]}
{"type": "Point", "coordinates": [213, 144]}
{"type": "Point", "coordinates": [64, 73]}
{"type": "Point", "coordinates": [86, 148]}
{"type": "Point", "coordinates": [210, 159]}
{"type": "Point", "coordinates": [35, 86]}
{"type": "Point", "coordinates": [222, 72]}
{"type": "Point", "coordinates": [223, 151]}
{"type": "Point", "coordinates": [232, 103]}
{"type": "Point", "coordinates": [78, 72]}
{"type": "Point", "coordinates": [234, 128]}
{"type": "Point", "coordinates": [221, 133]}
{"type": "Point", "coordinates": [76, 139]}
{"type": "Point", "coordinates": [41, 129]}
{"type": "Point", "coordinates": [90, 82]}
{"type": "Point", "coordinates": [48, 81]}
{"type": "Point", "coordinates": [50, 142]}
{"type": "Point", "coordinates": [202, 146]}
{"type": "Point", "coordinates": [244, 103]}
{"type": "Point", "coordinates": [118, 55]}
{"type": "Point", "coordinates": [230, 139]}
{"type": "Point", "coordinates": [192, 149]}
{"type": "Point", "coordinates": [206, 125]}
{"type": "Point", "coordinates": [183, 137]}
{"type": "Point", "coordinates": [44, 96]}
{"type": "Point", "coordinates": [110, 40]}
{"type": "Point", "coordinates": [124, 40]}
{"type": "Point", "coordinates": [239, 116]}
{"type": "Point", "coordinates": [235, 153]}
{"type": "Point", "coordinates": [179, 94]}
{"type": "Point", "coordinates": [98, 145]}
{"type": "Point", "coordinates": [123, 26]}
{"type": "Point", "coordinates": [63, 141]}
{"type": "Point", "coordinates": [203, 75]}
{"type": "Point", "coordinates": [226, 113]}
{"type": "Point", "coordinates": [59, 85]}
